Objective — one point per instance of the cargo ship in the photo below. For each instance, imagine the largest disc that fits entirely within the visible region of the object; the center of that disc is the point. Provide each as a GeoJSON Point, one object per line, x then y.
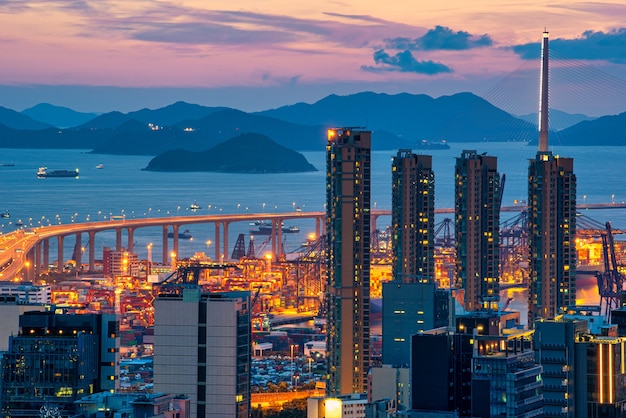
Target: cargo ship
{"type": "Point", "coordinates": [427, 145]}
{"type": "Point", "coordinates": [44, 173]}
{"type": "Point", "coordinates": [265, 228]}
{"type": "Point", "coordinates": [186, 234]}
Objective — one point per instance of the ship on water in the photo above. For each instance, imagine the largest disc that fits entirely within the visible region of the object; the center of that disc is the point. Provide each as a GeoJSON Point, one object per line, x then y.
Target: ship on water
{"type": "Point", "coordinates": [265, 228]}
{"type": "Point", "coordinates": [186, 234]}
{"type": "Point", "coordinates": [44, 173]}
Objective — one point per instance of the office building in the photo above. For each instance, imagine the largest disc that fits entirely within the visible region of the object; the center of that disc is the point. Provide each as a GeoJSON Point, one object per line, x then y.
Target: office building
{"type": "Point", "coordinates": [441, 372]}
{"type": "Point", "coordinates": [353, 405]}
{"type": "Point", "coordinates": [506, 380]}
{"type": "Point", "coordinates": [477, 202]}
{"type": "Point", "coordinates": [10, 311]}
{"type": "Point", "coordinates": [348, 163]}
{"type": "Point", "coordinates": [392, 384]}
{"type": "Point", "coordinates": [57, 359]}
{"type": "Point", "coordinates": [551, 221]}
{"type": "Point", "coordinates": [117, 263]}
{"type": "Point", "coordinates": [26, 292]}
{"type": "Point", "coordinates": [408, 308]}
{"type": "Point", "coordinates": [202, 349]}
{"type": "Point", "coordinates": [605, 357]}
{"type": "Point", "coordinates": [555, 345]}
{"type": "Point", "coordinates": [413, 217]}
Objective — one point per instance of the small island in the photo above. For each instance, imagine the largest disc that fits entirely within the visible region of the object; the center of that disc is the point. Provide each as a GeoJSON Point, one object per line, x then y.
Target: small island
{"type": "Point", "coordinates": [246, 153]}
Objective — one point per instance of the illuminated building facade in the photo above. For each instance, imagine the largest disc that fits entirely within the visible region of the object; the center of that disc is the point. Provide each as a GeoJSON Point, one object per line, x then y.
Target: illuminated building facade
{"type": "Point", "coordinates": [606, 376]}
{"type": "Point", "coordinates": [413, 217]}
{"type": "Point", "coordinates": [119, 263]}
{"type": "Point", "coordinates": [478, 196]}
{"type": "Point", "coordinates": [57, 359]}
{"type": "Point", "coordinates": [202, 348]}
{"type": "Point", "coordinates": [348, 257]}
{"type": "Point", "coordinates": [551, 222]}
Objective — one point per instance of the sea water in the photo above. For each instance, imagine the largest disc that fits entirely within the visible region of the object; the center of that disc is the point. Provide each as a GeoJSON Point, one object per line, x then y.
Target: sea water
{"type": "Point", "coordinates": [122, 188]}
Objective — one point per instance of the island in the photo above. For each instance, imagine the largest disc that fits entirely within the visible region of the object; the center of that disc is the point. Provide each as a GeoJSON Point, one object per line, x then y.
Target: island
{"type": "Point", "coordinates": [246, 153]}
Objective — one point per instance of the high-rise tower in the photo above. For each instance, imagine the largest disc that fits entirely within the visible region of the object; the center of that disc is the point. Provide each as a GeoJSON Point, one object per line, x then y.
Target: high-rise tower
{"type": "Point", "coordinates": [413, 217]}
{"type": "Point", "coordinates": [478, 195]}
{"type": "Point", "coordinates": [348, 257]}
{"type": "Point", "coordinates": [551, 220]}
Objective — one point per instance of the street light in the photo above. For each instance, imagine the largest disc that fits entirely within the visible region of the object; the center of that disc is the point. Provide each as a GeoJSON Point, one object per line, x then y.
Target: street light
{"type": "Point", "coordinates": [291, 347]}
{"type": "Point", "coordinates": [150, 253]}
{"type": "Point", "coordinates": [208, 245]}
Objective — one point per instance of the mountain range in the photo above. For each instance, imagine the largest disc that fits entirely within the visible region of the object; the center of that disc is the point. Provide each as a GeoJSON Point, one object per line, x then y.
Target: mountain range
{"type": "Point", "coordinates": [396, 121]}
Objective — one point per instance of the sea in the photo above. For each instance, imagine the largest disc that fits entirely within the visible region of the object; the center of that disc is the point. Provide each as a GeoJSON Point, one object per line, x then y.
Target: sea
{"type": "Point", "coordinates": [123, 188]}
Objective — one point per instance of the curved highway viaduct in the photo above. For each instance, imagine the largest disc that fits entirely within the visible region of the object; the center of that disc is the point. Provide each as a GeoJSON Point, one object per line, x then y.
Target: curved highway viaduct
{"type": "Point", "coordinates": [31, 247]}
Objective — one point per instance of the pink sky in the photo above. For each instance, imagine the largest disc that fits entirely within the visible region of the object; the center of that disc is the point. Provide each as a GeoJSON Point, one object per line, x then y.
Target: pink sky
{"type": "Point", "coordinates": [308, 48]}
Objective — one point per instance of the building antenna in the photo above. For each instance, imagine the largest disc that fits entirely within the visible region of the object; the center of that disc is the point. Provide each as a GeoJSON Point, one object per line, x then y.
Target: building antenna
{"type": "Point", "coordinates": [543, 95]}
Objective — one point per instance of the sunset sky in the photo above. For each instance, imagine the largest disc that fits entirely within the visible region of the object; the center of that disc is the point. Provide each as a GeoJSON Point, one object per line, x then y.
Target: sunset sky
{"type": "Point", "coordinates": [106, 55]}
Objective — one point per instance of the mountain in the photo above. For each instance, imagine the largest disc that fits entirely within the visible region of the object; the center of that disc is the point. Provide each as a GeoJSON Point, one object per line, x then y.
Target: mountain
{"type": "Point", "coordinates": [397, 121]}
{"type": "Point", "coordinates": [58, 116]}
{"type": "Point", "coordinates": [15, 120]}
{"type": "Point", "coordinates": [174, 113]}
{"type": "Point", "coordinates": [463, 117]}
{"type": "Point", "coordinates": [224, 124]}
{"type": "Point", "coordinates": [246, 153]}
{"type": "Point", "coordinates": [558, 120]}
{"type": "Point", "coordinates": [49, 138]}
{"type": "Point", "coordinates": [165, 116]}
{"type": "Point", "coordinates": [606, 130]}
{"type": "Point", "coordinates": [133, 137]}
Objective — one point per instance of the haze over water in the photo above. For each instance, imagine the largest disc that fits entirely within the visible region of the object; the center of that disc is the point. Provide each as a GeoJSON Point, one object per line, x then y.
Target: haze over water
{"type": "Point", "coordinates": [123, 188]}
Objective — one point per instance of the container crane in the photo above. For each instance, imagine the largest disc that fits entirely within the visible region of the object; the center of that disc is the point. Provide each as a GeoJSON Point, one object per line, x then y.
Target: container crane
{"type": "Point", "coordinates": [610, 281]}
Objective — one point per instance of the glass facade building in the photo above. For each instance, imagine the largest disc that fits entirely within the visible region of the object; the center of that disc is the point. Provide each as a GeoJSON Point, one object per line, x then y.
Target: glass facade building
{"type": "Point", "coordinates": [57, 359]}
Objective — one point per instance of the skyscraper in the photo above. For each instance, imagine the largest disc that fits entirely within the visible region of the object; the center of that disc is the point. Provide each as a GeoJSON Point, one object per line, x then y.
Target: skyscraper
{"type": "Point", "coordinates": [203, 349]}
{"type": "Point", "coordinates": [551, 220]}
{"type": "Point", "coordinates": [348, 257]}
{"type": "Point", "coordinates": [478, 195]}
{"type": "Point", "coordinates": [413, 217]}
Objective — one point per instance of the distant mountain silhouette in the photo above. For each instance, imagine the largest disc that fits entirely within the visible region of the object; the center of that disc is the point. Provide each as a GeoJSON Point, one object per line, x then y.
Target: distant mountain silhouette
{"type": "Point", "coordinates": [463, 117]}
{"type": "Point", "coordinates": [558, 120]}
{"type": "Point", "coordinates": [247, 153]}
{"type": "Point", "coordinates": [224, 124]}
{"type": "Point", "coordinates": [165, 116]}
{"type": "Point", "coordinates": [606, 130]}
{"type": "Point", "coordinates": [397, 121]}
{"type": "Point", "coordinates": [15, 120]}
{"type": "Point", "coordinates": [58, 116]}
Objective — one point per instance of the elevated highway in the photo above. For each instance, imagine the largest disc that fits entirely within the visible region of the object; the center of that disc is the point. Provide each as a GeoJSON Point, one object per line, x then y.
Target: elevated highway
{"type": "Point", "coordinates": [25, 251]}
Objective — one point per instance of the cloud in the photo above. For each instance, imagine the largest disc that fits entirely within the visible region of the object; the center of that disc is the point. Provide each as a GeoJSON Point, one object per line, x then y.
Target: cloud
{"type": "Point", "coordinates": [404, 62]}
{"type": "Point", "coordinates": [440, 38]}
{"type": "Point", "coordinates": [208, 33]}
{"type": "Point", "coordinates": [590, 45]}
{"type": "Point", "coordinates": [18, 6]}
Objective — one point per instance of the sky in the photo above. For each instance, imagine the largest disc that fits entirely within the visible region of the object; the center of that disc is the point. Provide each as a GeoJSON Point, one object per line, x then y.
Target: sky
{"type": "Point", "coordinates": [103, 55]}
